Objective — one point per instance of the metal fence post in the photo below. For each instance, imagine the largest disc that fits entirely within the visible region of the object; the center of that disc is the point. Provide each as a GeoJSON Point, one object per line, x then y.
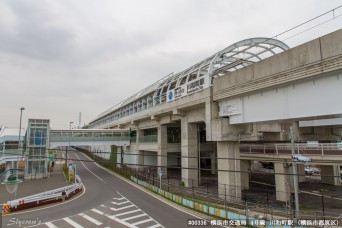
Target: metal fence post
{"type": "Point", "coordinates": [225, 198]}
{"type": "Point", "coordinates": [1, 218]}
{"type": "Point", "coordinates": [322, 150]}
{"type": "Point", "coordinates": [192, 188]}
{"type": "Point", "coordinates": [168, 183]}
{"type": "Point", "coordinates": [323, 207]}
{"type": "Point", "coordinates": [267, 204]}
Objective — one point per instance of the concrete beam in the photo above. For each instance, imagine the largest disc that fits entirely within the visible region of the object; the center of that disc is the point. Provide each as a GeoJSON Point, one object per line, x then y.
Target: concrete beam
{"type": "Point", "coordinates": [177, 112]}
{"type": "Point", "coordinates": [153, 117]}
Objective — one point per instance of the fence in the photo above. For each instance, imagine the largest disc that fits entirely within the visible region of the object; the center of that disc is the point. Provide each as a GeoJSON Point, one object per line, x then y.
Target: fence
{"type": "Point", "coordinates": [47, 197]}
{"type": "Point", "coordinates": [319, 149]}
{"type": "Point", "coordinates": [244, 205]}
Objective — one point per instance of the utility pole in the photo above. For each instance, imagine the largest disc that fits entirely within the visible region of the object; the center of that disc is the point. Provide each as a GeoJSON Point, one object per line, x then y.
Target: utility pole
{"type": "Point", "coordinates": [79, 120]}
{"type": "Point", "coordinates": [294, 170]}
{"type": "Point", "coordinates": [66, 148]}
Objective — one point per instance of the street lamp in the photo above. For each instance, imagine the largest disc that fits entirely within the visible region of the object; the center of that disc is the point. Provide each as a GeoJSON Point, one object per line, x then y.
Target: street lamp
{"type": "Point", "coordinates": [19, 140]}
{"type": "Point", "coordinates": [12, 181]}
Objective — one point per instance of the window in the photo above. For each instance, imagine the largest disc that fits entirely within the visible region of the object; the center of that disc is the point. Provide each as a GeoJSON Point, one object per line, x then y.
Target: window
{"type": "Point", "coordinates": [173, 134]}
{"type": "Point", "coordinates": [173, 85]}
{"type": "Point", "coordinates": [38, 136]}
{"type": "Point", "coordinates": [183, 81]}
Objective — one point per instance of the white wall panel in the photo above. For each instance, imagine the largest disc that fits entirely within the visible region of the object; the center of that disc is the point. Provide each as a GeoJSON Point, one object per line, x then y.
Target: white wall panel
{"type": "Point", "coordinates": [313, 98]}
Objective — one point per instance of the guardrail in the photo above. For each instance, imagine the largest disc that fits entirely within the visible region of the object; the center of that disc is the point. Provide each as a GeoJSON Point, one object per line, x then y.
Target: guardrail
{"type": "Point", "coordinates": [47, 197]}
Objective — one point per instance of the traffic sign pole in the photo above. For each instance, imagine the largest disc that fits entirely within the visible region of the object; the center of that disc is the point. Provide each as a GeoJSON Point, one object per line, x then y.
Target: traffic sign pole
{"type": "Point", "coordinates": [75, 174]}
{"type": "Point", "coordinates": [160, 172]}
{"type": "Point", "coordinates": [69, 168]}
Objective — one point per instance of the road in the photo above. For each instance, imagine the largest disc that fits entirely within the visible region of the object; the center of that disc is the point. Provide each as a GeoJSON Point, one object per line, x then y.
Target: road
{"type": "Point", "coordinates": [107, 201]}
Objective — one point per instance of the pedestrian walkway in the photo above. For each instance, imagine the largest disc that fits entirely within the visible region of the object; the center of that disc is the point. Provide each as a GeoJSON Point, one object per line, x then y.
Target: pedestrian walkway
{"type": "Point", "coordinates": [32, 186]}
{"type": "Point", "coordinates": [119, 212]}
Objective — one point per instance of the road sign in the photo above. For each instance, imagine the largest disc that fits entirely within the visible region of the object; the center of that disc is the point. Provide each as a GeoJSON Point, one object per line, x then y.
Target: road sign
{"type": "Point", "coordinates": [160, 172]}
{"type": "Point", "coordinates": [51, 157]}
{"type": "Point", "coordinates": [70, 163]}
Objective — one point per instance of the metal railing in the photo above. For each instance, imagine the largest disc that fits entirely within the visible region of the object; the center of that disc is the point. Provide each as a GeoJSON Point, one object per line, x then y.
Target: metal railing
{"type": "Point", "coordinates": [148, 138]}
{"type": "Point", "coordinates": [241, 204]}
{"type": "Point", "coordinates": [88, 138]}
{"type": "Point", "coordinates": [319, 149]}
{"type": "Point", "coordinates": [52, 195]}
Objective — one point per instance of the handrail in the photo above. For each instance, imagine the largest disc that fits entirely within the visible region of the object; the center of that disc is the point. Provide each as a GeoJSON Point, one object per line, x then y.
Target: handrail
{"type": "Point", "coordinates": [320, 149]}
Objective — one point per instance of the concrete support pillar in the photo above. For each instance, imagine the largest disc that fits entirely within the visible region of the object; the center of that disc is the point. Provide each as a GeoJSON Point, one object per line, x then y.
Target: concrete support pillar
{"type": "Point", "coordinates": [245, 167]}
{"type": "Point", "coordinates": [137, 135]}
{"type": "Point", "coordinates": [283, 181]}
{"type": "Point", "coordinates": [119, 158]}
{"type": "Point", "coordinates": [301, 173]}
{"type": "Point", "coordinates": [229, 178]}
{"type": "Point", "coordinates": [189, 149]}
{"type": "Point", "coordinates": [140, 159]}
{"type": "Point", "coordinates": [330, 174]}
{"type": "Point", "coordinates": [162, 149]}
{"type": "Point", "coordinates": [213, 160]}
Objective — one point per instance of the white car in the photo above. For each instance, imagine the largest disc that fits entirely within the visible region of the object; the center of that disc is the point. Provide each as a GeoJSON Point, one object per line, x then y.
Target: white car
{"type": "Point", "coordinates": [311, 170]}
{"type": "Point", "coordinates": [301, 158]}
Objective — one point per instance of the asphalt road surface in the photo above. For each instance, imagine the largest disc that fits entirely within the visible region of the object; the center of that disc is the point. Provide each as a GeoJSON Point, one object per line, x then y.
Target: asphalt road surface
{"type": "Point", "coordinates": [107, 201]}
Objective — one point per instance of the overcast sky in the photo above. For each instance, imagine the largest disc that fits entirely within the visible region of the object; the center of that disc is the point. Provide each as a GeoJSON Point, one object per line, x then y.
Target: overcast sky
{"type": "Point", "coordinates": [60, 58]}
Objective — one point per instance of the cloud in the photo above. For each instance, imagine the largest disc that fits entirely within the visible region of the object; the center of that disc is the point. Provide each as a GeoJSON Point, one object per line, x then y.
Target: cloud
{"type": "Point", "coordinates": [59, 58]}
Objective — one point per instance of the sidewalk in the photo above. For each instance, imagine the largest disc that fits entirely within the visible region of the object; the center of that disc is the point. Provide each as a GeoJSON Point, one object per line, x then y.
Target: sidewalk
{"type": "Point", "coordinates": [29, 187]}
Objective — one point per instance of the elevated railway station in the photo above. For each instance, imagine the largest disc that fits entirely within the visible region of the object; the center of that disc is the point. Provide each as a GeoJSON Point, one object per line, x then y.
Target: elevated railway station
{"type": "Point", "coordinates": [251, 92]}
{"type": "Point", "coordinates": [217, 118]}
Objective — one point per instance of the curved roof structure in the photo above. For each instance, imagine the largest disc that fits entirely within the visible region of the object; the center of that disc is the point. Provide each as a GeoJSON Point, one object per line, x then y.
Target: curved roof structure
{"type": "Point", "coordinates": [201, 75]}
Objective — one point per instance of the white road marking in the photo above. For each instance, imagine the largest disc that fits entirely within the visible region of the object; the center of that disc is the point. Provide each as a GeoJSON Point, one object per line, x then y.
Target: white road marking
{"type": "Point", "coordinates": [120, 221]}
{"type": "Point", "coordinates": [128, 212]}
{"type": "Point", "coordinates": [143, 221]}
{"type": "Point", "coordinates": [133, 217]}
{"type": "Point", "coordinates": [74, 224]}
{"type": "Point", "coordinates": [115, 203]}
{"type": "Point", "coordinates": [122, 208]}
{"type": "Point", "coordinates": [154, 226]}
{"type": "Point", "coordinates": [119, 198]}
{"type": "Point", "coordinates": [90, 170]}
{"type": "Point", "coordinates": [174, 205]}
{"type": "Point", "coordinates": [50, 225]}
{"type": "Point", "coordinates": [96, 222]}
{"type": "Point", "coordinates": [97, 211]}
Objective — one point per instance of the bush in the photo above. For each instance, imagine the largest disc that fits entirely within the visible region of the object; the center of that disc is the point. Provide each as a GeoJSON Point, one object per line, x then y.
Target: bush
{"type": "Point", "coordinates": [66, 173]}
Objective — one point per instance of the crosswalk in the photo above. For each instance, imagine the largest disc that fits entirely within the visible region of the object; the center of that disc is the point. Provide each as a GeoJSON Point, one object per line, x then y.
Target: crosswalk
{"type": "Point", "coordinates": [119, 212]}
